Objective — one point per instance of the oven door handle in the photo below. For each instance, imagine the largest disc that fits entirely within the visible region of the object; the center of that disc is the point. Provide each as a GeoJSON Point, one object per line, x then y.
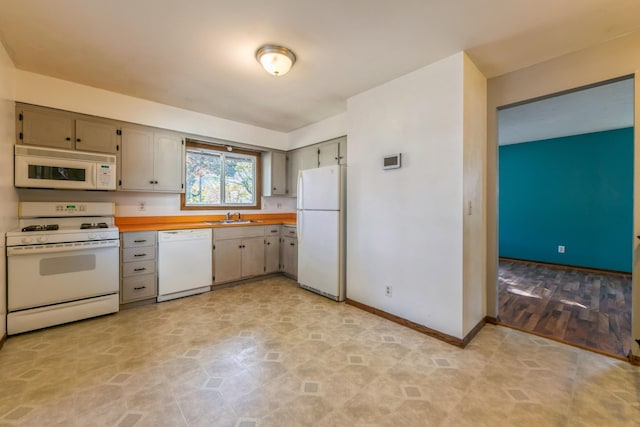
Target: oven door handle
{"type": "Point", "coordinates": [62, 247]}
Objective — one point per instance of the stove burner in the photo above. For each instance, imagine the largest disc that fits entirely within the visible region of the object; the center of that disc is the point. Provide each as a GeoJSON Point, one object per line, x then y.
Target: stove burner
{"type": "Point", "coordinates": [48, 227]}
{"type": "Point", "coordinates": [88, 225]}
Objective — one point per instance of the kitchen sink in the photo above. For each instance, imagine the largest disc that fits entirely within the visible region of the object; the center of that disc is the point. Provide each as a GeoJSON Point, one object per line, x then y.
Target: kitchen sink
{"type": "Point", "coordinates": [233, 221]}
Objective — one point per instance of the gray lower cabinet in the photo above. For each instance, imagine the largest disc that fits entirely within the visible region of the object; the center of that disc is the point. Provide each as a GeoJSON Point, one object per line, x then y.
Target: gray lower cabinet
{"type": "Point", "coordinates": [289, 252]}
{"type": "Point", "coordinates": [272, 249]}
{"type": "Point", "coordinates": [138, 260]}
{"type": "Point", "coordinates": [238, 253]}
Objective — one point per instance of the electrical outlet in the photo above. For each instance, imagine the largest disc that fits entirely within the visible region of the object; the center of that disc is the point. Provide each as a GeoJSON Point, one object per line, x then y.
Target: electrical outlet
{"type": "Point", "coordinates": [142, 207]}
{"type": "Point", "coordinates": [560, 249]}
{"type": "Point", "coordinates": [387, 290]}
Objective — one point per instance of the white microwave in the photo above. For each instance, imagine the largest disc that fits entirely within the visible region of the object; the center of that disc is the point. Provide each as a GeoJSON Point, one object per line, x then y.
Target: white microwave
{"type": "Point", "coordinates": [37, 167]}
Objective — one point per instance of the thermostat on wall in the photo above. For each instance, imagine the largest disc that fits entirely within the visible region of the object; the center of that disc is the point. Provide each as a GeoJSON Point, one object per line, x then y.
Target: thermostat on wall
{"type": "Point", "coordinates": [392, 161]}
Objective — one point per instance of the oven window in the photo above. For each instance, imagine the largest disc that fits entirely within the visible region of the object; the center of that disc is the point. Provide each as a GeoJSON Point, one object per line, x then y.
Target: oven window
{"type": "Point", "coordinates": [57, 173]}
{"type": "Point", "coordinates": [67, 264]}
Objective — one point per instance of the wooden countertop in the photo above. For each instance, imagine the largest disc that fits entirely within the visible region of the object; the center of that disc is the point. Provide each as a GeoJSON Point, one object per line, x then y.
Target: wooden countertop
{"type": "Point", "coordinates": [155, 223]}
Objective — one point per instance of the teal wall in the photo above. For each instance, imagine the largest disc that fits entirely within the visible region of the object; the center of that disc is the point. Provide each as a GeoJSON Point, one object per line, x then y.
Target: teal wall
{"type": "Point", "coordinates": [575, 191]}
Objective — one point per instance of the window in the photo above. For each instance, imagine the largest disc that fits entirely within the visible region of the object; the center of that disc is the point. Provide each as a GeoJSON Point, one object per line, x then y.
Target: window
{"type": "Point", "coordinates": [220, 179]}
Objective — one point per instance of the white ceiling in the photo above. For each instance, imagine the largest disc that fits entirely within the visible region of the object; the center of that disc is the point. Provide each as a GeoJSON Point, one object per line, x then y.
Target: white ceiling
{"type": "Point", "coordinates": [199, 54]}
{"type": "Point", "coordinates": [595, 109]}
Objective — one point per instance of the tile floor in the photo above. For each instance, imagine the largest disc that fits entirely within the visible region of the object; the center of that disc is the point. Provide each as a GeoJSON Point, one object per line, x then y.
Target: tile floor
{"type": "Point", "coordinates": [270, 354]}
{"type": "Point", "coordinates": [588, 308]}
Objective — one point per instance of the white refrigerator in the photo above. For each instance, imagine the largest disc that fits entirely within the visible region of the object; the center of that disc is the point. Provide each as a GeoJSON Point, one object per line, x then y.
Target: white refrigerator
{"type": "Point", "coordinates": [321, 231]}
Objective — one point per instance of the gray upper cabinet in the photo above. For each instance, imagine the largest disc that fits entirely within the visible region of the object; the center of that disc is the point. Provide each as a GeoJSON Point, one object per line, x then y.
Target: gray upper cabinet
{"type": "Point", "coordinates": [300, 159]}
{"type": "Point", "coordinates": [308, 157]}
{"type": "Point", "coordinates": [274, 173]}
{"type": "Point", "coordinates": [169, 162]}
{"type": "Point", "coordinates": [47, 127]}
{"type": "Point", "coordinates": [294, 165]}
{"type": "Point", "coordinates": [342, 150]}
{"type": "Point", "coordinates": [136, 166]}
{"type": "Point", "coordinates": [96, 136]}
{"type": "Point", "coordinates": [327, 153]}
{"type": "Point", "coordinates": [151, 160]}
{"type": "Point", "coordinates": [333, 152]}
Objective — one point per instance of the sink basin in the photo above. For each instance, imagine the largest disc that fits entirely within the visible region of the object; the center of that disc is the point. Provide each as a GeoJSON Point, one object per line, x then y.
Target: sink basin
{"type": "Point", "coordinates": [232, 221]}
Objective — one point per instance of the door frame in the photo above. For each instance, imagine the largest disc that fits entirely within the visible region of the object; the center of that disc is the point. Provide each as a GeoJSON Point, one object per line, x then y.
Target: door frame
{"type": "Point", "coordinates": [510, 90]}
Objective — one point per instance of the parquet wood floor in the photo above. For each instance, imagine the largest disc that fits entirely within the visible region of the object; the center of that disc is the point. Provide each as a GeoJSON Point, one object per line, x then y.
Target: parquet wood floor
{"type": "Point", "coordinates": [588, 308]}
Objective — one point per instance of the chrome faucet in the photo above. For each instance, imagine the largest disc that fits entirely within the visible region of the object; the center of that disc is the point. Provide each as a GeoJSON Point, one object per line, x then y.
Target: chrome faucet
{"type": "Point", "coordinates": [239, 216]}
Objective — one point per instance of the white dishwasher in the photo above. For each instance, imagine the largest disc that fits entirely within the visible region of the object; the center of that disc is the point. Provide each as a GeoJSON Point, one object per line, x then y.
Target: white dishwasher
{"type": "Point", "coordinates": [184, 263]}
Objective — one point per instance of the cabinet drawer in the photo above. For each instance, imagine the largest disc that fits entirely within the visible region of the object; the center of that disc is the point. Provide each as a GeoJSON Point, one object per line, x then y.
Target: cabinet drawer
{"type": "Point", "coordinates": [138, 287]}
{"type": "Point", "coordinates": [138, 254]}
{"type": "Point", "coordinates": [289, 231]}
{"type": "Point", "coordinates": [138, 238]}
{"type": "Point", "coordinates": [138, 268]}
{"type": "Point", "coordinates": [272, 230]}
{"type": "Point", "coordinates": [238, 232]}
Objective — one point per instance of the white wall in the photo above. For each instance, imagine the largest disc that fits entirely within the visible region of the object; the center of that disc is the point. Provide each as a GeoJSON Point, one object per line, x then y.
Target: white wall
{"type": "Point", "coordinates": [474, 232]}
{"type": "Point", "coordinates": [324, 130]}
{"type": "Point", "coordinates": [605, 61]}
{"type": "Point", "coordinates": [8, 195]}
{"type": "Point", "coordinates": [405, 225]}
{"type": "Point", "coordinates": [50, 92]}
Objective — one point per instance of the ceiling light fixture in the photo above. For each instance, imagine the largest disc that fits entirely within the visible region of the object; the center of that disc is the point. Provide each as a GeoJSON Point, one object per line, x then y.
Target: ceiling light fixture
{"type": "Point", "coordinates": [276, 60]}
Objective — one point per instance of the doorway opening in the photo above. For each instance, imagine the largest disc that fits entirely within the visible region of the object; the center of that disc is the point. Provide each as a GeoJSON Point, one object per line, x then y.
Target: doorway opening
{"type": "Point", "coordinates": [565, 216]}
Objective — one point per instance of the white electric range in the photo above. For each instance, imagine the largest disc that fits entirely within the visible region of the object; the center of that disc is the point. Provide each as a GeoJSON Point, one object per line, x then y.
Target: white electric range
{"type": "Point", "coordinates": [62, 264]}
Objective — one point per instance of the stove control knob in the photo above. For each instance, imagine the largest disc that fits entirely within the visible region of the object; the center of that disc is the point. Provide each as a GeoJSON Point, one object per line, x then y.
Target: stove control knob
{"type": "Point", "coordinates": [103, 235]}
{"type": "Point", "coordinates": [42, 239]}
{"type": "Point", "coordinates": [93, 236]}
{"type": "Point", "coordinates": [27, 240]}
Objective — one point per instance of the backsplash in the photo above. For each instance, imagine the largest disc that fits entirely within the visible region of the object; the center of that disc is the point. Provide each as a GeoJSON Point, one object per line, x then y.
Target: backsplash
{"type": "Point", "coordinates": [145, 204]}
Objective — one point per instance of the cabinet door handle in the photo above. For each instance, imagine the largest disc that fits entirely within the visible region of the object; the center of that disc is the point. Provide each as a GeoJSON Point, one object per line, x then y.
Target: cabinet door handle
{"type": "Point", "coordinates": [78, 140]}
{"type": "Point", "coordinates": [151, 182]}
{"type": "Point", "coordinates": [139, 288]}
{"type": "Point", "coordinates": [143, 268]}
{"type": "Point", "coordinates": [292, 244]}
{"type": "Point", "coordinates": [274, 231]}
{"type": "Point", "coordinates": [140, 241]}
{"type": "Point", "coordinates": [268, 243]}
{"type": "Point", "coordinates": [68, 138]}
{"type": "Point", "coordinates": [139, 254]}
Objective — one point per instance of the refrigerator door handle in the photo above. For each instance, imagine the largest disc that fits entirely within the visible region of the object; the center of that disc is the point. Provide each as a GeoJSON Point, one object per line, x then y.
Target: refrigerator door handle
{"type": "Point", "coordinates": [299, 195]}
{"type": "Point", "coordinates": [299, 226]}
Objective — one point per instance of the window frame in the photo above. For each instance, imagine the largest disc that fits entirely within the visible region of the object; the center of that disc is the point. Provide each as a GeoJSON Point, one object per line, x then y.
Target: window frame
{"type": "Point", "coordinates": [223, 150]}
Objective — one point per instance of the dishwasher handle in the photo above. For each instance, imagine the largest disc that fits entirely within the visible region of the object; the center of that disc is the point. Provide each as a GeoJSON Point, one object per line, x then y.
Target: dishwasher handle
{"type": "Point", "coordinates": [187, 234]}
